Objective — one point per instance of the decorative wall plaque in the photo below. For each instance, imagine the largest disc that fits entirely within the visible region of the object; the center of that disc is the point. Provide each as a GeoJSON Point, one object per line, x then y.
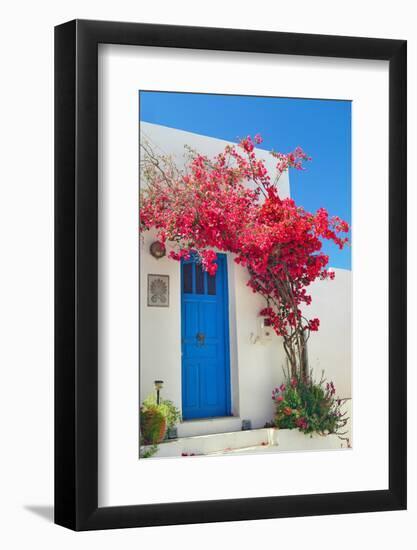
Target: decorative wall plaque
{"type": "Point", "coordinates": [158, 290]}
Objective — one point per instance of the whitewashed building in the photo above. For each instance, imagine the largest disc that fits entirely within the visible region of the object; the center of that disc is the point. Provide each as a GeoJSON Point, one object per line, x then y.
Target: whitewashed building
{"type": "Point", "coordinates": [242, 360]}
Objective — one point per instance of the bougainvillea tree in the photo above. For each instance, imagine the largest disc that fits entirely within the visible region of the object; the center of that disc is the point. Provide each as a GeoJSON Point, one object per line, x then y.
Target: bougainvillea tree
{"type": "Point", "coordinates": [231, 203]}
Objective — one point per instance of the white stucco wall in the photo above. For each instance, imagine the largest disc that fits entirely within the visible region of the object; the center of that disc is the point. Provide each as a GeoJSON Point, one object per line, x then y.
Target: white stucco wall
{"type": "Point", "coordinates": [171, 141]}
{"type": "Point", "coordinates": [330, 347]}
{"type": "Point", "coordinates": [256, 364]}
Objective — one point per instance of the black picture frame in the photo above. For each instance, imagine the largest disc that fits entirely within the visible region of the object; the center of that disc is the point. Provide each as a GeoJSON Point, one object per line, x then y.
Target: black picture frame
{"type": "Point", "coordinates": [76, 271]}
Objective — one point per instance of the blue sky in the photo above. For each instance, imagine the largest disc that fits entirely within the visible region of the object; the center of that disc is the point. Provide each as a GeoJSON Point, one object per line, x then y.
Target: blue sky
{"type": "Point", "coordinates": [321, 127]}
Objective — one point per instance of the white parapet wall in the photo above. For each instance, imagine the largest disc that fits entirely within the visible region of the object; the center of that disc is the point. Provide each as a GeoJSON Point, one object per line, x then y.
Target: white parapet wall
{"type": "Point", "coordinates": [247, 442]}
{"type": "Point", "coordinates": [331, 347]}
{"type": "Point", "coordinates": [256, 363]}
{"type": "Point", "coordinates": [172, 142]}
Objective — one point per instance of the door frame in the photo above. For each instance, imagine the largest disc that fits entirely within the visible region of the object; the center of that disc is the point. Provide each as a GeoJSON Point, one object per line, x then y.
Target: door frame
{"type": "Point", "coordinates": [221, 257]}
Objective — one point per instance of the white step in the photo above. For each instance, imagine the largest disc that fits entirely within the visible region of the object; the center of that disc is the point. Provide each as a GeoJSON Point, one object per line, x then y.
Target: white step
{"type": "Point", "coordinates": [254, 449]}
{"type": "Point", "coordinates": [207, 426]}
{"type": "Point", "coordinates": [217, 443]}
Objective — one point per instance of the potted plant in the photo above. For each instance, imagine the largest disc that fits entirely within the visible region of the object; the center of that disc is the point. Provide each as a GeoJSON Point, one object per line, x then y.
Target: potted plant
{"type": "Point", "coordinates": [153, 423]}
{"type": "Point", "coordinates": [158, 419]}
{"type": "Point", "coordinates": [172, 416]}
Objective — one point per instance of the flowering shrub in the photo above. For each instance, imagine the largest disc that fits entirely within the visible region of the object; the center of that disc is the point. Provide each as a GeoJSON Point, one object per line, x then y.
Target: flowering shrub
{"type": "Point", "coordinates": [231, 203]}
{"type": "Point", "coordinates": [309, 406]}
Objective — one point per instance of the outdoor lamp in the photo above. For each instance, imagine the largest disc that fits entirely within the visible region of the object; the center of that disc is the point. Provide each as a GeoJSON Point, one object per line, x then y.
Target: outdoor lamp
{"type": "Point", "coordinates": [158, 386]}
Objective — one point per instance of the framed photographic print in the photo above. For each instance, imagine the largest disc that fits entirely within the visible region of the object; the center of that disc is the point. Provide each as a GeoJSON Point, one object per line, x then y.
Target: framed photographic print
{"type": "Point", "coordinates": [230, 275]}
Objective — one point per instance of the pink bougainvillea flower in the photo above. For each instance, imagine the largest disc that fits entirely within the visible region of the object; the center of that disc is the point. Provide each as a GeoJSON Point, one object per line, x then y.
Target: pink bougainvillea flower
{"type": "Point", "coordinates": [230, 203]}
{"type": "Point", "coordinates": [314, 324]}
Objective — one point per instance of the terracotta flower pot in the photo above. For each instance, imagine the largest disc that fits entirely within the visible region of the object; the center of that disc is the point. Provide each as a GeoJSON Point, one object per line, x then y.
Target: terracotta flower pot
{"type": "Point", "coordinates": [153, 426]}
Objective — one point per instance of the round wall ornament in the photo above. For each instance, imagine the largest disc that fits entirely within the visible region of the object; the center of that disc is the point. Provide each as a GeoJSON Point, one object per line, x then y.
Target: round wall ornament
{"type": "Point", "coordinates": [157, 250]}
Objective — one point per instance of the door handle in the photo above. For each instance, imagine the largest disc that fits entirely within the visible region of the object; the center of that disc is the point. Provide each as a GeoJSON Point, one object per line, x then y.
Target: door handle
{"type": "Point", "coordinates": [201, 337]}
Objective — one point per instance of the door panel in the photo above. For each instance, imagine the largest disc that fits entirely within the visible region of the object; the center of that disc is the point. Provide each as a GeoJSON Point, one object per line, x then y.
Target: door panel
{"type": "Point", "coordinates": [190, 319]}
{"type": "Point", "coordinates": [205, 358]}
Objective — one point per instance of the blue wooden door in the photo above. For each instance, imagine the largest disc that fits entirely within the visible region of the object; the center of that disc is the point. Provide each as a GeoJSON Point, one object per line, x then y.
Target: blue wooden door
{"type": "Point", "coordinates": [205, 341]}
